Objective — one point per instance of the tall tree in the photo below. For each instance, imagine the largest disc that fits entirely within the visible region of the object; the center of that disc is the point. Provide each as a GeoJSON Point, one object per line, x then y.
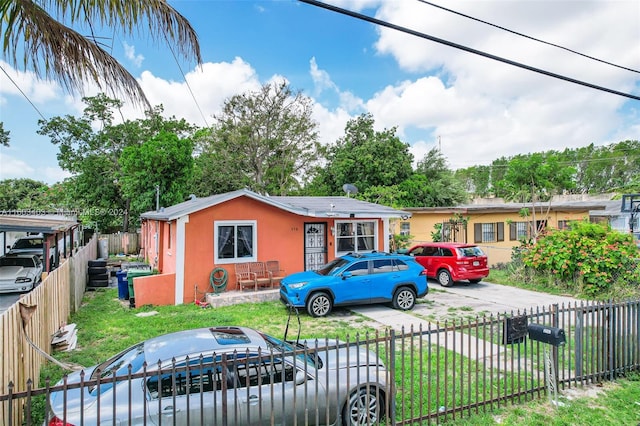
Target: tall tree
{"type": "Point", "coordinates": [92, 156]}
{"type": "Point", "coordinates": [214, 171]}
{"type": "Point", "coordinates": [265, 140]}
{"type": "Point", "coordinates": [163, 163]}
{"type": "Point", "coordinates": [476, 180]}
{"type": "Point", "coordinates": [20, 193]}
{"type": "Point", "coordinates": [38, 35]}
{"type": "Point", "coordinates": [363, 157]}
{"type": "Point", "coordinates": [433, 184]}
{"type": "Point", "coordinates": [534, 178]}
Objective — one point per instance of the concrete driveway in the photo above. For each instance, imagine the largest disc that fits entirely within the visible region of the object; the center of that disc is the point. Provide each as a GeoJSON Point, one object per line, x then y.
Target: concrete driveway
{"type": "Point", "coordinates": [7, 300]}
{"type": "Point", "coordinates": [462, 302]}
{"type": "Point", "coordinates": [482, 298]}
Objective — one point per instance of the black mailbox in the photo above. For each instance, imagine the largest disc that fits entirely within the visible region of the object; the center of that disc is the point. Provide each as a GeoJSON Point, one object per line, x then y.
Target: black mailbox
{"type": "Point", "coordinates": [545, 334]}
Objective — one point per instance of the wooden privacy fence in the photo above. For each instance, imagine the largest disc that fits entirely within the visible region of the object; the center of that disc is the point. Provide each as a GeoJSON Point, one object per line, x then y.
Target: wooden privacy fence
{"type": "Point", "coordinates": [122, 243]}
{"type": "Point", "coordinates": [440, 373]}
{"type": "Point", "coordinates": [59, 294]}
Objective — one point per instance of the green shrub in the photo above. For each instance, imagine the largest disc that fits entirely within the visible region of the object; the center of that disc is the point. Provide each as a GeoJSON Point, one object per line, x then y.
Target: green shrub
{"type": "Point", "coordinates": [590, 255]}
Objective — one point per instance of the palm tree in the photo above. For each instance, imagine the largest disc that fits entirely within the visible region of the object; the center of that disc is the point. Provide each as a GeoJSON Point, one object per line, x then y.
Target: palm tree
{"type": "Point", "coordinates": [33, 38]}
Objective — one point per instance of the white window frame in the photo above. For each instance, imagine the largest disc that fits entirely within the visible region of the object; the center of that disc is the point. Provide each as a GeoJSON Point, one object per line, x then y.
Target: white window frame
{"type": "Point", "coordinates": [354, 224]}
{"type": "Point", "coordinates": [235, 223]}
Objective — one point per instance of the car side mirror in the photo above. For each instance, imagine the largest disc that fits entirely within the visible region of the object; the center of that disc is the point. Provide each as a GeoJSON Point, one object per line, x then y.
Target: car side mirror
{"type": "Point", "coordinates": [346, 274]}
{"type": "Point", "coordinates": [300, 378]}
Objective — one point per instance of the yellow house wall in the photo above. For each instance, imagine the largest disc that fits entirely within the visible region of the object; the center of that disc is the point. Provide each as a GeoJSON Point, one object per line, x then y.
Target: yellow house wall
{"type": "Point", "coordinates": [422, 224]}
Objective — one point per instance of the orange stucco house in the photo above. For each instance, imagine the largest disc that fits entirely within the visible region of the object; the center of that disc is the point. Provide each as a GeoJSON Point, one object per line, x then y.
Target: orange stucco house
{"type": "Point", "coordinates": [187, 241]}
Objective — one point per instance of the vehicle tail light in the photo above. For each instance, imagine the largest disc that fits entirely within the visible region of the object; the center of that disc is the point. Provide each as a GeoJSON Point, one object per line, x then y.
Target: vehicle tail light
{"type": "Point", "coordinates": [57, 422]}
{"type": "Point", "coordinates": [423, 272]}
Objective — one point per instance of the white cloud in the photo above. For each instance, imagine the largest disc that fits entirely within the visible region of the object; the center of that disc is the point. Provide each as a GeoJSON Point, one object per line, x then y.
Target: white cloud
{"type": "Point", "coordinates": [211, 84]}
{"type": "Point", "coordinates": [483, 109]}
{"type": "Point", "coordinates": [480, 109]}
{"type": "Point", "coordinates": [324, 87]}
{"type": "Point", "coordinates": [321, 79]}
{"type": "Point", "coordinates": [130, 53]}
{"type": "Point", "coordinates": [14, 168]}
{"type": "Point", "coordinates": [331, 123]}
{"type": "Point", "coordinates": [26, 83]}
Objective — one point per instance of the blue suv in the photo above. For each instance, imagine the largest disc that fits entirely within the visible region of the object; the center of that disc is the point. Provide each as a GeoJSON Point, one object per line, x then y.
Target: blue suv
{"type": "Point", "coordinates": [357, 279]}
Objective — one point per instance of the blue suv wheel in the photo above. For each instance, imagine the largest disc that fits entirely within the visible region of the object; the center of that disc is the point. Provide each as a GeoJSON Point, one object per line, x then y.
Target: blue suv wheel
{"type": "Point", "coordinates": [319, 305]}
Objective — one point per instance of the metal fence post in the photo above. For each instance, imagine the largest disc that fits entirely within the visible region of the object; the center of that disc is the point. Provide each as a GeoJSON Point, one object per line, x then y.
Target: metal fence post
{"type": "Point", "coordinates": [392, 376]}
{"type": "Point", "coordinates": [579, 343]}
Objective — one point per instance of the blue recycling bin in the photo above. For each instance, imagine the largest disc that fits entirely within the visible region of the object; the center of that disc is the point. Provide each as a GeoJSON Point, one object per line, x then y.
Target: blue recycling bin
{"type": "Point", "coordinates": [123, 285]}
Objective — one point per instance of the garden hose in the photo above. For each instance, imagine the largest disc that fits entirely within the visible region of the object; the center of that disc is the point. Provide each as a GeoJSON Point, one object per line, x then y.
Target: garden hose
{"type": "Point", "coordinates": [218, 280]}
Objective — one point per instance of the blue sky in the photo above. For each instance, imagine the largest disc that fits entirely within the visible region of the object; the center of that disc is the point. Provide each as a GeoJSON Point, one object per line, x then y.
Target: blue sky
{"type": "Point", "coordinates": [475, 109]}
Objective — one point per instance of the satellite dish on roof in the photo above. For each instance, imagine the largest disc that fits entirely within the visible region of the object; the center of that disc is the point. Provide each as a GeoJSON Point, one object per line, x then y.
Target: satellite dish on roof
{"type": "Point", "coordinates": [349, 189]}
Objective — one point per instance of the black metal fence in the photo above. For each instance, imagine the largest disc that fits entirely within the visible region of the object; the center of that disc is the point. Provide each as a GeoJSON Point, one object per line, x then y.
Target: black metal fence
{"type": "Point", "coordinates": [447, 371]}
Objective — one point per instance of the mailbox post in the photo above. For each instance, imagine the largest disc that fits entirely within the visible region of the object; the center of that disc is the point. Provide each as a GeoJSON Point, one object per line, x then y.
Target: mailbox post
{"type": "Point", "coordinates": [552, 336]}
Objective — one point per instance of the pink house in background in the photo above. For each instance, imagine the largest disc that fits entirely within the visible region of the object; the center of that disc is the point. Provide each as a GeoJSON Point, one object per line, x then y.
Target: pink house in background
{"type": "Point", "coordinates": [187, 241]}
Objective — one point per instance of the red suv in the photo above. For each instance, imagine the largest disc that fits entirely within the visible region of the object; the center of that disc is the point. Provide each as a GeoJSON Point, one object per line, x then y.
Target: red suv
{"type": "Point", "coordinates": [451, 262]}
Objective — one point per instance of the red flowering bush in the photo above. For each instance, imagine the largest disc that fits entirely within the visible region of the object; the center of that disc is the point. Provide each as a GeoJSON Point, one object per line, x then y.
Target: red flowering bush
{"type": "Point", "coordinates": [591, 255]}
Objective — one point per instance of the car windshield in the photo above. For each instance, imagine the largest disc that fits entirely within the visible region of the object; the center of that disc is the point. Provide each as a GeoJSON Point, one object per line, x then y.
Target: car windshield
{"type": "Point", "coordinates": [17, 261]}
{"type": "Point", "coordinates": [331, 267]}
{"type": "Point", "coordinates": [119, 364]}
{"type": "Point", "coordinates": [471, 251]}
{"type": "Point", "coordinates": [276, 344]}
{"type": "Point", "coordinates": [28, 243]}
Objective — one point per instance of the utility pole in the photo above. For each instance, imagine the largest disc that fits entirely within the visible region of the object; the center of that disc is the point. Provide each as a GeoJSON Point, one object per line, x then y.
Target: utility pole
{"type": "Point", "coordinates": [157, 198]}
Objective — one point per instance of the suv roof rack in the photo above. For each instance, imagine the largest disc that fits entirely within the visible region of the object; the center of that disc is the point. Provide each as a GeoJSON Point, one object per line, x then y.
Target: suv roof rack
{"type": "Point", "coordinates": [370, 254]}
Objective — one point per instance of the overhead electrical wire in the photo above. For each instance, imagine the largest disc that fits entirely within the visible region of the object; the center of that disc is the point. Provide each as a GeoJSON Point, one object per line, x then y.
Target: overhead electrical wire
{"type": "Point", "coordinates": [193, 96]}
{"type": "Point", "coordinates": [465, 48]}
{"type": "Point", "coordinates": [22, 93]}
{"type": "Point", "coordinates": [529, 37]}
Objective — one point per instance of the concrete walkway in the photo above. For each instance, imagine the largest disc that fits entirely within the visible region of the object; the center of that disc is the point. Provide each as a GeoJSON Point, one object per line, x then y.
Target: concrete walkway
{"type": "Point", "coordinates": [462, 343]}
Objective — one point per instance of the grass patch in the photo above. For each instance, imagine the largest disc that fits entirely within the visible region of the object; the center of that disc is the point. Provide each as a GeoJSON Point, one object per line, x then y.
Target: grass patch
{"type": "Point", "coordinates": [107, 326]}
{"type": "Point", "coordinates": [615, 404]}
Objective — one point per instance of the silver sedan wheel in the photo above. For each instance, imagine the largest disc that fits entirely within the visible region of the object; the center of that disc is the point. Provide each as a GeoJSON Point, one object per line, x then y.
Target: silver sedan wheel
{"type": "Point", "coordinates": [364, 408]}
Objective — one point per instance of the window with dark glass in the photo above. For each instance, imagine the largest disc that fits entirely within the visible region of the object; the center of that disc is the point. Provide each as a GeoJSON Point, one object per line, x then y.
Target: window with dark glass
{"type": "Point", "coordinates": [356, 236]}
{"type": "Point", "coordinates": [235, 241]}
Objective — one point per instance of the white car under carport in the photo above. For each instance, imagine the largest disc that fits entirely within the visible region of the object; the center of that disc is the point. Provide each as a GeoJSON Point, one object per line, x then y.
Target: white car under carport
{"type": "Point", "coordinates": [19, 272]}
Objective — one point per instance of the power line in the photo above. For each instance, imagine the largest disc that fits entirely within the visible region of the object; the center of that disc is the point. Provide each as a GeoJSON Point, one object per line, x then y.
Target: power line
{"type": "Point", "coordinates": [465, 48]}
{"type": "Point", "coordinates": [23, 94]}
{"type": "Point", "coordinates": [193, 96]}
{"type": "Point", "coordinates": [529, 37]}
{"type": "Point", "coordinates": [29, 100]}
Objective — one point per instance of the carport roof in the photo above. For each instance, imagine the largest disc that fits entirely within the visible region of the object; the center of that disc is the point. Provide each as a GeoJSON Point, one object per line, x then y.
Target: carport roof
{"type": "Point", "coordinates": [46, 223]}
{"type": "Point", "coordinates": [338, 207]}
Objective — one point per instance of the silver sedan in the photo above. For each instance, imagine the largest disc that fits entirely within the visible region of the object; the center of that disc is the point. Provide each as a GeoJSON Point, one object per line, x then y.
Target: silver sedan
{"type": "Point", "coordinates": [226, 375]}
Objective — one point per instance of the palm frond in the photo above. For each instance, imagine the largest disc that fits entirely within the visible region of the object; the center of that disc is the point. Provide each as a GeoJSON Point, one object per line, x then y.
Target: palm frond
{"type": "Point", "coordinates": [164, 23]}
{"type": "Point", "coordinates": [53, 50]}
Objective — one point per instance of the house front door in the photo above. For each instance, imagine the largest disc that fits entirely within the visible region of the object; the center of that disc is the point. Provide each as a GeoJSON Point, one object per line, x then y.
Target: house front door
{"type": "Point", "coordinates": [315, 245]}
